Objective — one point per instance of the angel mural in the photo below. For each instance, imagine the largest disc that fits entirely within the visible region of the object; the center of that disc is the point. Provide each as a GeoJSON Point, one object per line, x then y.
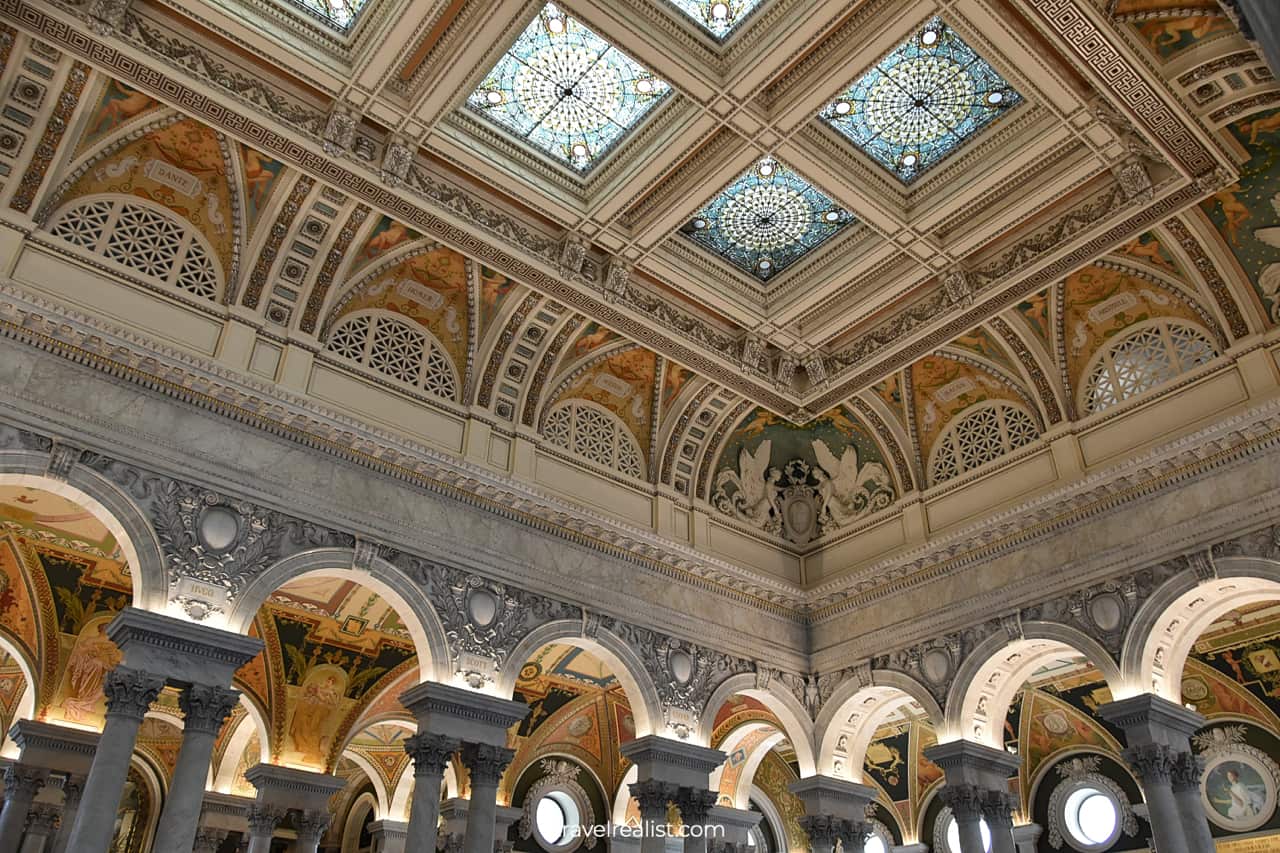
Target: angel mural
{"type": "Point", "coordinates": [846, 490]}
{"type": "Point", "coordinates": [1269, 278]}
{"type": "Point", "coordinates": [755, 499]}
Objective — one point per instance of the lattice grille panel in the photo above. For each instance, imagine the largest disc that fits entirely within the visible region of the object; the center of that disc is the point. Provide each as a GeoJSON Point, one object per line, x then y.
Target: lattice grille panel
{"type": "Point", "coordinates": [397, 350]}
{"type": "Point", "coordinates": [1150, 356]}
{"type": "Point", "coordinates": [594, 434]}
{"type": "Point", "coordinates": [983, 435]}
{"type": "Point", "coordinates": [147, 240]}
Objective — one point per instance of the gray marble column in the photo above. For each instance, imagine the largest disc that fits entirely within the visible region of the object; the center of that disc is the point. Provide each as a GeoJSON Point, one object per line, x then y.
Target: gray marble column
{"type": "Point", "coordinates": [430, 754]}
{"type": "Point", "coordinates": [1026, 836]}
{"type": "Point", "coordinates": [965, 802]}
{"type": "Point", "coordinates": [695, 807]}
{"type": "Point", "coordinates": [72, 789]}
{"type": "Point", "coordinates": [1158, 733]}
{"type": "Point", "coordinates": [1188, 769]}
{"type": "Point", "coordinates": [21, 784]}
{"type": "Point", "coordinates": [653, 796]}
{"type": "Point", "coordinates": [854, 835]}
{"type": "Point", "coordinates": [205, 708]}
{"type": "Point", "coordinates": [42, 823]}
{"type": "Point", "coordinates": [311, 826]}
{"type": "Point", "coordinates": [485, 763]}
{"type": "Point", "coordinates": [823, 831]}
{"type": "Point", "coordinates": [130, 693]}
{"type": "Point", "coordinates": [263, 821]}
{"type": "Point", "coordinates": [997, 810]}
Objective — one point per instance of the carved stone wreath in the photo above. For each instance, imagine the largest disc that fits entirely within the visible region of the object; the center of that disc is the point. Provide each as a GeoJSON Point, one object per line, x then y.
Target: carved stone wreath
{"type": "Point", "coordinates": [1080, 772]}
{"type": "Point", "coordinates": [559, 775]}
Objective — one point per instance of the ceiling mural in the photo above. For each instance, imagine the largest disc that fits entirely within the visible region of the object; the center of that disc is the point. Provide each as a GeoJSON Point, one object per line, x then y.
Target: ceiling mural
{"type": "Point", "coordinates": [118, 105]}
{"type": "Point", "coordinates": [331, 646]}
{"type": "Point", "coordinates": [62, 580]}
{"type": "Point", "coordinates": [800, 482]}
{"type": "Point", "coordinates": [1170, 35]}
{"type": "Point", "coordinates": [182, 165]}
{"type": "Point", "coordinates": [943, 388]}
{"type": "Point", "coordinates": [1247, 213]}
{"type": "Point", "coordinates": [622, 381]}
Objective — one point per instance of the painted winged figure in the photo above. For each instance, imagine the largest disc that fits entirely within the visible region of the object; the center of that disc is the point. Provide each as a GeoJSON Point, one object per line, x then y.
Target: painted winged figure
{"type": "Point", "coordinates": [755, 500]}
{"type": "Point", "coordinates": [1269, 277]}
{"type": "Point", "coordinates": [848, 491]}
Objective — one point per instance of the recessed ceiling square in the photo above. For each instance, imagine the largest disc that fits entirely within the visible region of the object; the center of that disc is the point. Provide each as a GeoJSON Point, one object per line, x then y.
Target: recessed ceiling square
{"type": "Point", "coordinates": [567, 91]}
{"type": "Point", "coordinates": [920, 103]}
{"type": "Point", "coordinates": [718, 17]}
{"type": "Point", "coordinates": [766, 219]}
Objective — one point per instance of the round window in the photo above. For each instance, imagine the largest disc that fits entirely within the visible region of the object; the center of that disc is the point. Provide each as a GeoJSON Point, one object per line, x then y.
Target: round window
{"type": "Point", "coordinates": [1092, 818]}
{"type": "Point", "coordinates": [953, 836]}
{"type": "Point", "coordinates": [556, 819]}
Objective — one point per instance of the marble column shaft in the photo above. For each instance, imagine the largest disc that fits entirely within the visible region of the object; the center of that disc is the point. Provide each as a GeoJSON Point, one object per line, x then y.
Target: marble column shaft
{"type": "Point", "coordinates": [205, 709]}
{"type": "Point", "coordinates": [130, 693]}
{"type": "Point", "coordinates": [966, 807]}
{"type": "Point", "coordinates": [1187, 770]}
{"type": "Point", "coordinates": [430, 754]}
{"type": "Point", "coordinates": [208, 840]}
{"type": "Point", "coordinates": [311, 826]}
{"type": "Point", "coordinates": [1154, 765]}
{"type": "Point", "coordinates": [486, 764]}
{"type": "Point", "coordinates": [263, 821]}
{"type": "Point", "coordinates": [854, 835]}
{"type": "Point", "coordinates": [695, 806]}
{"type": "Point", "coordinates": [997, 810]}
{"type": "Point", "coordinates": [21, 784]}
{"type": "Point", "coordinates": [653, 797]}
{"type": "Point", "coordinates": [72, 790]}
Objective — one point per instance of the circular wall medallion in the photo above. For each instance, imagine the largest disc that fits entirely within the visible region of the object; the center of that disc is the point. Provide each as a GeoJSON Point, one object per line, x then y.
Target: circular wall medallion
{"type": "Point", "coordinates": [681, 666]}
{"type": "Point", "coordinates": [1056, 722]}
{"type": "Point", "coordinates": [936, 665]}
{"type": "Point", "coordinates": [1238, 792]}
{"type": "Point", "coordinates": [1106, 611]}
{"type": "Point", "coordinates": [482, 607]}
{"type": "Point", "coordinates": [218, 528]}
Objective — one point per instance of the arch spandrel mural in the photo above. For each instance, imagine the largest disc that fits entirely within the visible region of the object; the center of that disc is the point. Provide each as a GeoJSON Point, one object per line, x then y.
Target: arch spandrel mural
{"type": "Point", "coordinates": [1172, 28]}
{"type": "Point", "coordinates": [624, 381]}
{"type": "Point", "coordinates": [943, 388]}
{"type": "Point", "coordinates": [1100, 303]}
{"type": "Point", "coordinates": [495, 289]}
{"type": "Point", "coordinates": [429, 288]}
{"type": "Point", "coordinates": [330, 645]}
{"type": "Point", "coordinates": [1247, 213]}
{"type": "Point", "coordinates": [118, 104]}
{"type": "Point", "coordinates": [801, 482]}
{"type": "Point", "coordinates": [1035, 309]}
{"type": "Point", "coordinates": [64, 580]}
{"type": "Point", "coordinates": [181, 165]}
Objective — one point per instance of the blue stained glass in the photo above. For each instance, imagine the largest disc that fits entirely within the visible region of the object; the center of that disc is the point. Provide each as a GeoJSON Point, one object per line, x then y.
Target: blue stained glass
{"type": "Point", "coordinates": [766, 219]}
{"type": "Point", "coordinates": [921, 102]}
{"type": "Point", "coordinates": [566, 90]}
{"type": "Point", "coordinates": [339, 14]}
{"type": "Point", "coordinates": [717, 17]}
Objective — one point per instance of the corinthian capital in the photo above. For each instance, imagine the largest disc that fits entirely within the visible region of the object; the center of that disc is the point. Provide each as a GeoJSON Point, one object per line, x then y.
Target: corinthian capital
{"type": "Point", "coordinates": [206, 708]}
{"type": "Point", "coordinates": [1153, 762]}
{"type": "Point", "coordinates": [965, 801]}
{"type": "Point", "coordinates": [311, 824]}
{"type": "Point", "coordinates": [652, 796]}
{"type": "Point", "coordinates": [430, 753]}
{"type": "Point", "coordinates": [486, 762]}
{"type": "Point", "coordinates": [130, 692]}
{"type": "Point", "coordinates": [694, 804]}
{"type": "Point", "coordinates": [22, 781]}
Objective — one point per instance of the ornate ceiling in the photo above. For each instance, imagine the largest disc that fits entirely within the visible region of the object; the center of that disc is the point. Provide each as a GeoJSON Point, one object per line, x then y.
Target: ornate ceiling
{"type": "Point", "coordinates": [786, 263]}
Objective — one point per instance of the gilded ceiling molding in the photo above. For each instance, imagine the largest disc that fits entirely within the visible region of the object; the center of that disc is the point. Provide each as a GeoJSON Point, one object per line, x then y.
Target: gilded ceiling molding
{"type": "Point", "coordinates": [1015, 383]}
{"type": "Point", "coordinates": [1044, 388]}
{"type": "Point", "coordinates": [676, 439]}
{"type": "Point", "coordinates": [713, 447]}
{"type": "Point", "coordinates": [275, 237]}
{"type": "Point", "coordinates": [337, 252]}
{"type": "Point", "coordinates": [533, 396]}
{"type": "Point", "coordinates": [517, 318]}
{"type": "Point", "coordinates": [1245, 106]}
{"type": "Point", "coordinates": [1208, 271]}
{"type": "Point", "coordinates": [55, 128]}
{"type": "Point", "coordinates": [1058, 294]}
{"type": "Point", "coordinates": [906, 482]}
{"type": "Point", "coordinates": [1238, 59]}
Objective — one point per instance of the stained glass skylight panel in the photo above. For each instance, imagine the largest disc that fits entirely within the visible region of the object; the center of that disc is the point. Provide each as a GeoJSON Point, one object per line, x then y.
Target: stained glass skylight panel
{"type": "Point", "coordinates": [717, 17]}
{"type": "Point", "coordinates": [339, 14]}
{"type": "Point", "coordinates": [567, 91]}
{"type": "Point", "coordinates": [921, 102]}
{"type": "Point", "coordinates": [766, 219]}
